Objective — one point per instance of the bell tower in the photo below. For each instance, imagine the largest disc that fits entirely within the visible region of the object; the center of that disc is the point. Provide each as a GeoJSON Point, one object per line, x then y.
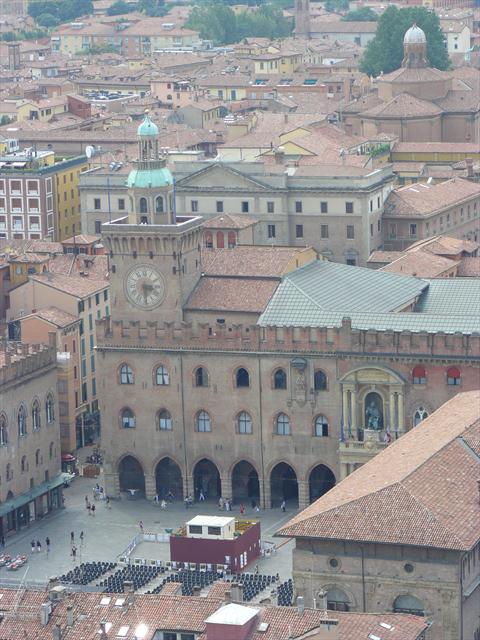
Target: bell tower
{"type": "Point", "coordinates": [154, 255]}
{"type": "Point", "coordinates": [302, 18]}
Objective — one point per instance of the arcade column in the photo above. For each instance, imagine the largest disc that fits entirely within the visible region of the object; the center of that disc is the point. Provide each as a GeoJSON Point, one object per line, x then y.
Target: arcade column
{"type": "Point", "coordinates": [303, 494]}
{"type": "Point", "coordinates": [150, 486]}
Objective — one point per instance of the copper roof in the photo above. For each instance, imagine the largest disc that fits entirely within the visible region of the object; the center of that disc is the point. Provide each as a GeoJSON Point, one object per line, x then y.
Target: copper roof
{"type": "Point", "coordinates": [421, 490]}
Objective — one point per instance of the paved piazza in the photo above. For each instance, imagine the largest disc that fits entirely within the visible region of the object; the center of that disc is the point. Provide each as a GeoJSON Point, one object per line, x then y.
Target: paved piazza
{"type": "Point", "coordinates": [108, 533]}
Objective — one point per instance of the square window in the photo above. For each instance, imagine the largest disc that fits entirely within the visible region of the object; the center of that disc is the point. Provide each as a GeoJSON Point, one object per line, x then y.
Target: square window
{"type": "Point", "coordinates": [350, 231]}
{"type": "Point", "coordinates": [121, 204]}
{"type": "Point", "coordinates": [97, 204]}
{"type": "Point", "coordinates": [270, 207]}
{"type": "Point", "coordinates": [323, 207]}
{"type": "Point", "coordinates": [271, 231]}
{"type": "Point", "coordinates": [348, 207]}
{"type": "Point", "coordinates": [244, 206]}
{"type": "Point", "coordinates": [413, 230]}
{"type": "Point", "coordinates": [298, 206]}
{"type": "Point", "coordinates": [299, 231]}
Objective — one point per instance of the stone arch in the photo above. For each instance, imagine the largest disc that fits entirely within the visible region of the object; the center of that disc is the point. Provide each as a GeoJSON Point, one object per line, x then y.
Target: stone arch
{"type": "Point", "coordinates": [395, 378]}
{"type": "Point", "coordinates": [332, 586]}
{"type": "Point", "coordinates": [245, 481]}
{"type": "Point", "coordinates": [408, 603]}
{"type": "Point", "coordinates": [168, 478]}
{"type": "Point", "coordinates": [283, 484]}
{"type": "Point", "coordinates": [320, 480]}
{"type": "Point", "coordinates": [130, 473]}
{"type": "Point", "coordinates": [206, 479]}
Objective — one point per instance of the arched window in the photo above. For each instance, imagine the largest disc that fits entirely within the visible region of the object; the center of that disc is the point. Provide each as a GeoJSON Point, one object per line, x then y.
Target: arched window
{"type": "Point", "coordinates": [37, 457]}
{"type": "Point", "coordinates": [419, 375]}
{"type": "Point", "coordinates": [161, 376]}
{"type": "Point", "coordinates": [408, 604]}
{"type": "Point", "coordinates": [159, 205]}
{"type": "Point", "coordinates": [203, 422]}
{"type": "Point", "coordinates": [127, 418]}
{"type": "Point", "coordinates": [35, 415]}
{"type": "Point", "coordinates": [319, 380]}
{"type": "Point", "coordinates": [22, 421]}
{"type": "Point", "coordinates": [23, 464]}
{"type": "Point", "coordinates": [164, 420]}
{"type": "Point", "coordinates": [49, 409]}
{"type": "Point", "coordinates": [242, 378]}
{"type": "Point", "coordinates": [282, 425]}
{"type": "Point", "coordinates": [420, 414]}
{"type": "Point", "coordinates": [280, 379]}
{"type": "Point", "coordinates": [209, 240]}
{"type": "Point", "coordinates": [220, 240]}
{"type": "Point", "coordinates": [51, 450]}
{"type": "Point", "coordinates": [453, 376]}
{"type": "Point", "coordinates": [126, 374]}
{"type": "Point", "coordinates": [244, 422]}
{"type": "Point", "coordinates": [3, 431]}
{"type": "Point", "coordinates": [143, 205]}
{"type": "Point", "coordinates": [201, 377]}
{"type": "Point", "coordinates": [8, 472]}
{"type": "Point", "coordinates": [337, 600]}
{"type": "Point", "coordinates": [321, 426]}
{"type": "Point", "coordinates": [232, 239]}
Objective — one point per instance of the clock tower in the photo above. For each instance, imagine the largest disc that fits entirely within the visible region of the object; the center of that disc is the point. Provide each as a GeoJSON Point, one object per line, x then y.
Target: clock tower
{"type": "Point", "coordinates": [154, 255]}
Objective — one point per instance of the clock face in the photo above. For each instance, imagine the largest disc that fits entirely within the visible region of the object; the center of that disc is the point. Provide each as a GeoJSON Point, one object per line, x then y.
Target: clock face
{"type": "Point", "coordinates": [145, 286]}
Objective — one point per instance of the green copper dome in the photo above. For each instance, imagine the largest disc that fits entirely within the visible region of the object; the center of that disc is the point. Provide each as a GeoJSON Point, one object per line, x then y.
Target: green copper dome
{"type": "Point", "coordinates": [149, 178]}
{"type": "Point", "coordinates": [147, 128]}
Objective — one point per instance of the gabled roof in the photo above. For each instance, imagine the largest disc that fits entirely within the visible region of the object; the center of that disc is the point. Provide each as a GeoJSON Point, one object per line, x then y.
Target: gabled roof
{"type": "Point", "coordinates": [227, 221]}
{"type": "Point", "coordinates": [421, 490]}
{"type": "Point", "coordinates": [231, 294]}
{"type": "Point", "coordinates": [453, 296]}
{"type": "Point", "coordinates": [250, 261]}
{"type": "Point", "coordinates": [403, 105]}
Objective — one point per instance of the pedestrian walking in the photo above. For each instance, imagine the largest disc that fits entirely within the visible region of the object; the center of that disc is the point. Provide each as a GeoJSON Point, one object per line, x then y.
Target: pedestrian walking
{"type": "Point", "coordinates": [92, 509]}
{"type": "Point", "coordinates": [256, 569]}
{"type": "Point", "coordinates": [74, 553]}
{"type": "Point", "coordinates": [72, 537]}
{"type": "Point", "coordinates": [47, 544]}
{"type": "Point", "coordinates": [163, 505]}
{"type": "Point", "coordinates": [201, 497]}
{"type": "Point", "coordinates": [2, 542]}
{"type": "Point", "coordinates": [33, 545]}
{"type": "Point", "coordinates": [107, 502]}
{"type": "Point", "coordinates": [283, 506]}
{"type": "Point", "coordinates": [89, 508]}
{"type": "Point", "coordinates": [242, 508]}
{"type": "Point", "coordinates": [140, 524]}
{"type": "Point", "coordinates": [81, 537]}
{"type": "Point", "coordinates": [86, 500]}
{"type": "Point", "coordinates": [220, 503]}
{"type": "Point", "coordinates": [39, 546]}
{"type": "Point", "coordinates": [156, 498]}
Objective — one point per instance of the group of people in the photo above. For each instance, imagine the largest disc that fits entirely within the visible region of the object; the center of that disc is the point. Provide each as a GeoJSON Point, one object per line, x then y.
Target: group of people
{"type": "Point", "coordinates": [37, 546]}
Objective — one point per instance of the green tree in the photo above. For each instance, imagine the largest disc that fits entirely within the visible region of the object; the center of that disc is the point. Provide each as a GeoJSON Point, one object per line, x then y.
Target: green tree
{"type": "Point", "coordinates": [61, 10]}
{"type": "Point", "coordinates": [365, 14]}
{"type": "Point", "coordinates": [385, 51]}
{"type": "Point", "coordinates": [153, 8]}
{"type": "Point", "coordinates": [336, 5]}
{"type": "Point", "coordinates": [119, 8]}
{"type": "Point", "coordinates": [47, 20]}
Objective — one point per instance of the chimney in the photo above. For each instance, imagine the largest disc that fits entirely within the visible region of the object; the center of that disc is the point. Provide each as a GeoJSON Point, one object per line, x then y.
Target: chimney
{"type": "Point", "coordinates": [103, 631]}
{"type": "Point", "coordinates": [196, 590]}
{"type": "Point", "coordinates": [45, 609]}
{"type": "Point", "coordinates": [279, 154]}
{"type": "Point", "coordinates": [70, 616]}
{"type": "Point", "coordinates": [57, 632]}
{"type": "Point", "coordinates": [236, 591]}
{"type": "Point", "coordinates": [300, 605]}
{"type": "Point", "coordinates": [469, 165]}
{"type": "Point", "coordinates": [322, 600]}
{"type": "Point", "coordinates": [228, 596]}
{"type": "Point", "coordinates": [128, 586]}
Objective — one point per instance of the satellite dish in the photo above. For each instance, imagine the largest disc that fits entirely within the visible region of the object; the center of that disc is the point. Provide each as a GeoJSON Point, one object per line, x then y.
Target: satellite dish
{"type": "Point", "coordinates": [89, 151]}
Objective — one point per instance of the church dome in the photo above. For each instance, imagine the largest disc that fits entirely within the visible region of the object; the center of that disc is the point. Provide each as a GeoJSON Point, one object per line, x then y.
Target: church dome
{"type": "Point", "coordinates": [151, 178]}
{"type": "Point", "coordinates": [414, 35]}
{"type": "Point", "coordinates": [148, 128]}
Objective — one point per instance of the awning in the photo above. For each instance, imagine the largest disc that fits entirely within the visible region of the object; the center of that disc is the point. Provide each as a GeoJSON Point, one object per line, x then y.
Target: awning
{"type": "Point", "coordinates": [35, 492]}
{"type": "Point", "coordinates": [67, 457]}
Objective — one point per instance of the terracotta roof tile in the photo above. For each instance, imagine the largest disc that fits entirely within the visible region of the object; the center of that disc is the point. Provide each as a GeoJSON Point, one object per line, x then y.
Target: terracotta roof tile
{"type": "Point", "coordinates": [469, 267]}
{"type": "Point", "coordinates": [420, 263]}
{"type": "Point", "coordinates": [232, 294]}
{"type": "Point", "coordinates": [421, 490]}
{"type": "Point", "coordinates": [56, 316]}
{"type": "Point", "coordinates": [402, 106]}
{"type": "Point", "coordinates": [76, 286]}
{"type": "Point", "coordinates": [227, 221]}
{"type": "Point", "coordinates": [246, 261]}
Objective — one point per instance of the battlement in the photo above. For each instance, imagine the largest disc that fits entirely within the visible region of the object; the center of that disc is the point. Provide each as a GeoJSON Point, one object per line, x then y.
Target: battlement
{"type": "Point", "coordinates": [18, 360]}
{"type": "Point", "coordinates": [327, 340]}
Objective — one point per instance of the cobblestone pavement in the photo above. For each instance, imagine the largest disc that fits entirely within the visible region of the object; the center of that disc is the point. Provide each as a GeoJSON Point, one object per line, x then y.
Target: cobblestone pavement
{"type": "Point", "coordinates": [109, 532]}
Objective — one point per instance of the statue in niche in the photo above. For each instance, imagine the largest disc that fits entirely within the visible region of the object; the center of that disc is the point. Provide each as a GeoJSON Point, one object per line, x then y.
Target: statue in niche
{"type": "Point", "coordinates": [300, 383]}
{"type": "Point", "coordinates": [373, 412]}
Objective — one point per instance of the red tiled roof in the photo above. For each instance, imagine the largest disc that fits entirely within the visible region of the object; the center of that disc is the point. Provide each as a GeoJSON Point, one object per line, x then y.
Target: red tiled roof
{"type": "Point", "coordinates": [421, 490]}
{"type": "Point", "coordinates": [245, 261]}
{"type": "Point", "coordinates": [469, 267]}
{"type": "Point", "coordinates": [227, 221]}
{"type": "Point", "coordinates": [76, 286]}
{"type": "Point", "coordinates": [232, 294]}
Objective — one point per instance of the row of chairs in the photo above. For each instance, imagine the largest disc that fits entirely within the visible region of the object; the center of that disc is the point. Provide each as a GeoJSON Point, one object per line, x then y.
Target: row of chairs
{"type": "Point", "coordinates": [138, 575]}
{"type": "Point", "coordinates": [189, 579]}
{"type": "Point", "coordinates": [87, 572]}
{"type": "Point", "coordinates": [285, 593]}
{"type": "Point", "coordinates": [253, 584]}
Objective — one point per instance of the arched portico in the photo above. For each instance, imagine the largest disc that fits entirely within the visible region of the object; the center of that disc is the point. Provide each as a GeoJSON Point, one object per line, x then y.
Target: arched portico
{"type": "Point", "coordinates": [283, 485]}
{"type": "Point", "coordinates": [321, 480]}
{"type": "Point", "coordinates": [245, 483]}
{"type": "Point", "coordinates": [168, 479]}
{"type": "Point", "coordinates": [206, 479]}
{"type": "Point", "coordinates": [131, 475]}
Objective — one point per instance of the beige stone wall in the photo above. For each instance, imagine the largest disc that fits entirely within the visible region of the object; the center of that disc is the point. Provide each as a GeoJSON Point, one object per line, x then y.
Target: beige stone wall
{"type": "Point", "coordinates": [373, 576]}
{"type": "Point", "coordinates": [23, 390]}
